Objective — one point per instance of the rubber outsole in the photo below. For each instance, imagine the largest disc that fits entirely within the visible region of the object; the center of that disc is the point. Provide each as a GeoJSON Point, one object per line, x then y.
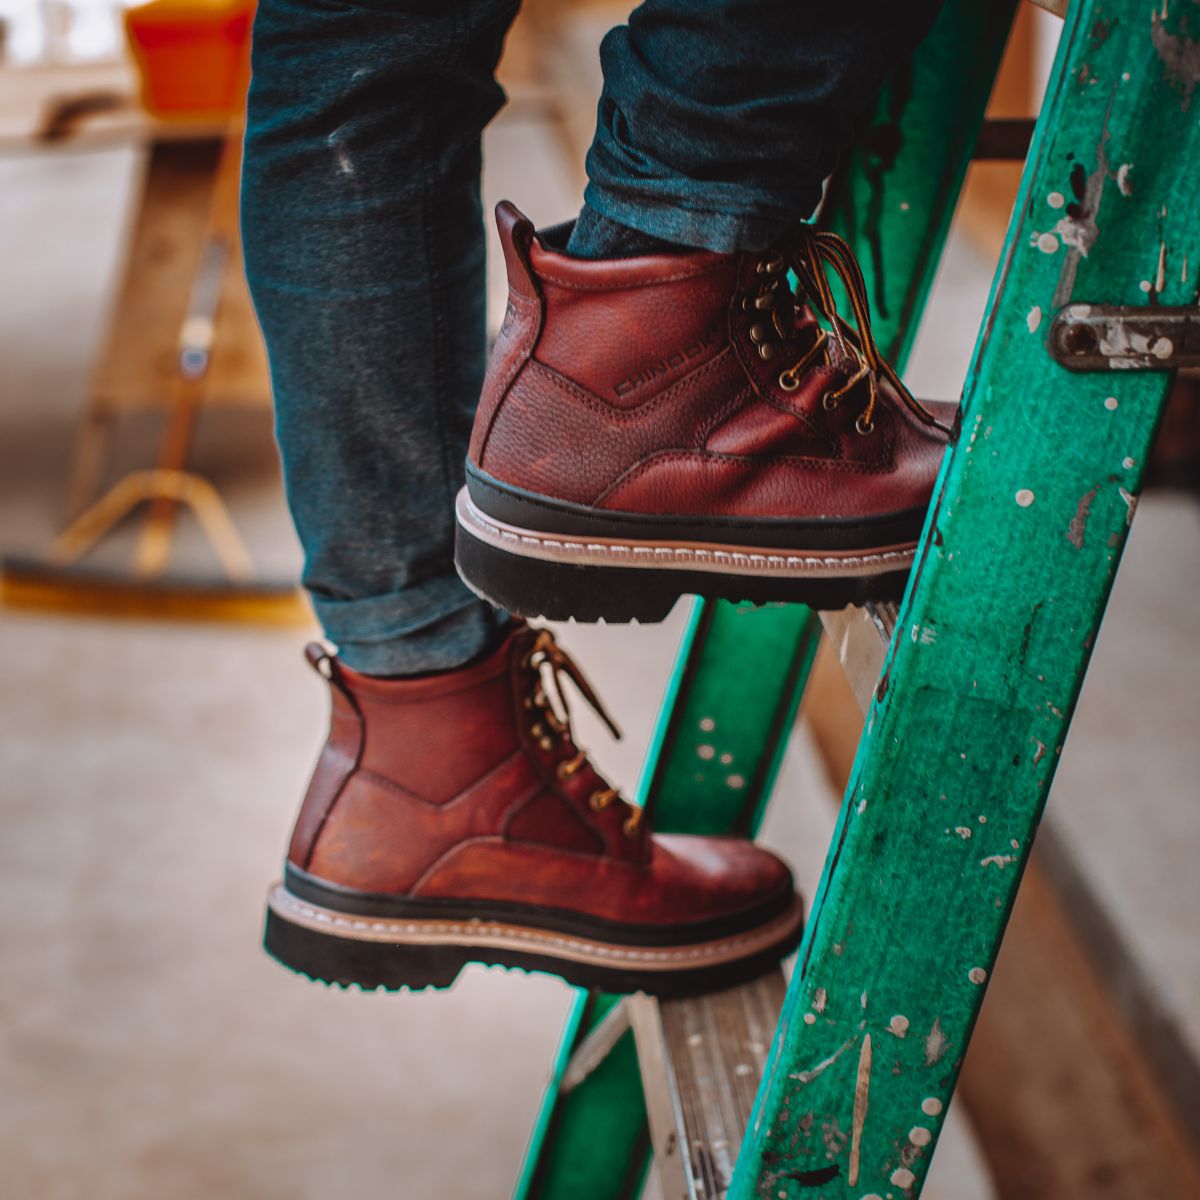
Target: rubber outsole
{"type": "Point", "coordinates": [531, 586]}
{"type": "Point", "coordinates": [395, 965]}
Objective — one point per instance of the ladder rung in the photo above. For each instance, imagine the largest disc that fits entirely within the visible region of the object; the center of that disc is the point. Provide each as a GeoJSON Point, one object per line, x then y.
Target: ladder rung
{"type": "Point", "coordinates": [701, 1060]}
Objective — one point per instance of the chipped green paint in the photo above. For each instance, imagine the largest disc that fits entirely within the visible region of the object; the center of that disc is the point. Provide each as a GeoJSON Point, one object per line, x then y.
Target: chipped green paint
{"type": "Point", "coordinates": [970, 716]}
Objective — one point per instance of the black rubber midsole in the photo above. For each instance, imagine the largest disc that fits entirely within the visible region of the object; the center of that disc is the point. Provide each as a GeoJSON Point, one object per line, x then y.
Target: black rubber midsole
{"type": "Point", "coordinates": [528, 510]}
{"type": "Point", "coordinates": [347, 961]}
{"type": "Point", "coordinates": [372, 904]}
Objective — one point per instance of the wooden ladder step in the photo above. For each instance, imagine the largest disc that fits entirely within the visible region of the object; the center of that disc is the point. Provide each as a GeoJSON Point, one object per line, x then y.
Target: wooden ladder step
{"type": "Point", "coordinates": [701, 1061]}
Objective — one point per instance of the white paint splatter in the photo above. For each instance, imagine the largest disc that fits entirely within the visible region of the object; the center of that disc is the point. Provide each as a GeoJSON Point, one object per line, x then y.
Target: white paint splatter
{"type": "Point", "coordinates": [919, 1135]}
{"type": "Point", "coordinates": [1047, 243]}
{"type": "Point", "coordinates": [997, 860]}
{"type": "Point", "coordinates": [977, 975]}
{"type": "Point", "coordinates": [1124, 186]}
{"type": "Point", "coordinates": [898, 1025]}
{"type": "Point", "coordinates": [1056, 200]}
{"type": "Point", "coordinates": [902, 1177]}
{"type": "Point", "coordinates": [707, 724]}
{"type": "Point", "coordinates": [736, 782]}
{"type": "Point", "coordinates": [809, 1019]}
{"type": "Point", "coordinates": [820, 999]}
{"type": "Point", "coordinates": [963, 831]}
{"type": "Point", "coordinates": [1130, 504]}
{"type": "Point", "coordinates": [1077, 232]}
{"type": "Point", "coordinates": [1127, 463]}
{"type": "Point", "coordinates": [1110, 402]}
{"type": "Point", "coordinates": [706, 752]}
{"type": "Point", "coordinates": [931, 1106]}
{"type": "Point", "coordinates": [1024, 498]}
{"type": "Point", "coordinates": [1034, 318]}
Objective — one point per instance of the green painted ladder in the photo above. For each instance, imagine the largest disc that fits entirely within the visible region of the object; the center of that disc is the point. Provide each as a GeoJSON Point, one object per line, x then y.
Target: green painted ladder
{"type": "Point", "coordinates": [969, 685]}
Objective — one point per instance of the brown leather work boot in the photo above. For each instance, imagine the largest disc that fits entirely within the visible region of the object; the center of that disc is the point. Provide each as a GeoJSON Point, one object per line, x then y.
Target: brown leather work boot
{"type": "Point", "coordinates": [452, 819]}
{"type": "Point", "coordinates": [682, 423]}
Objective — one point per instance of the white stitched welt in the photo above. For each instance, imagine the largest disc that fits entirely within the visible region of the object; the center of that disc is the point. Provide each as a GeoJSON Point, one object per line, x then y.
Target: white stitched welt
{"type": "Point", "coordinates": [477, 931]}
{"type": "Point", "coordinates": [688, 555]}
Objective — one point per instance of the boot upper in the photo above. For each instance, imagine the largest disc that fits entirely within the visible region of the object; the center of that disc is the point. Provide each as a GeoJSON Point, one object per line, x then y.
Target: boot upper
{"type": "Point", "coordinates": [468, 785]}
{"type": "Point", "coordinates": [689, 383]}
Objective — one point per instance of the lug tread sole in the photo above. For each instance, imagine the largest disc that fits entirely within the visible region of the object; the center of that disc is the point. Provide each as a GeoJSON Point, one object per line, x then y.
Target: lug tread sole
{"type": "Point", "coordinates": [377, 963]}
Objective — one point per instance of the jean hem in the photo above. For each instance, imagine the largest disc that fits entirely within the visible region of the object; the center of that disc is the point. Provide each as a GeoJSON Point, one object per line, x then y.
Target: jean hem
{"type": "Point", "coordinates": [687, 225]}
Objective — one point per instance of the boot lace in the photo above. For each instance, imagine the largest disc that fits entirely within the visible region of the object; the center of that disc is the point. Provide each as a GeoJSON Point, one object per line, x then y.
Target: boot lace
{"type": "Point", "coordinates": [548, 662]}
{"type": "Point", "coordinates": [812, 254]}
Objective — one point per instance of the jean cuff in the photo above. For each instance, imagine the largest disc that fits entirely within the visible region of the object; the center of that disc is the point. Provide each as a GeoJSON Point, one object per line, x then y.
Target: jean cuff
{"type": "Point", "coordinates": [436, 626]}
{"type": "Point", "coordinates": [701, 229]}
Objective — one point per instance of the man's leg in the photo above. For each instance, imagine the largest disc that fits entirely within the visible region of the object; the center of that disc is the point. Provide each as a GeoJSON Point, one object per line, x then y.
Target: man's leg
{"type": "Point", "coordinates": [364, 250]}
{"type": "Point", "coordinates": [720, 119]}
{"type": "Point", "coordinates": [451, 817]}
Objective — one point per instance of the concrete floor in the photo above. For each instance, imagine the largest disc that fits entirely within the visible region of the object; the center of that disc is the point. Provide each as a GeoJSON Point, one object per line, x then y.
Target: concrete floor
{"type": "Point", "coordinates": [150, 772]}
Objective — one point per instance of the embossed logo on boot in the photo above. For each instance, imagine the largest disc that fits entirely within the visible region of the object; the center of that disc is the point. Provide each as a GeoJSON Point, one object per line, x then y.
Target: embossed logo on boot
{"type": "Point", "coordinates": [666, 366]}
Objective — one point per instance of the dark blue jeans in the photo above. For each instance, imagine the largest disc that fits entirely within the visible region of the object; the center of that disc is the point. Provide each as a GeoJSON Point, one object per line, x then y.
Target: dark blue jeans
{"type": "Point", "coordinates": [364, 243]}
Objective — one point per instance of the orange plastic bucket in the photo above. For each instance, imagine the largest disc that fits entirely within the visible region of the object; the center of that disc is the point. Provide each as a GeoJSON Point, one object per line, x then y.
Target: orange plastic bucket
{"type": "Point", "coordinates": [193, 56]}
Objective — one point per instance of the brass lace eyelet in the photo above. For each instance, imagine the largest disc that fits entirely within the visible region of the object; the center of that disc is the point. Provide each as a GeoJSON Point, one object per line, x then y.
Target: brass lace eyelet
{"type": "Point", "coordinates": [864, 427]}
{"type": "Point", "coordinates": [537, 729]}
{"type": "Point", "coordinates": [767, 351]}
{"type": "Point", "coordinates": [829, 401]}
{"type": "Point", "coordinates": [758, 334]}
{"type": "Point", "coordinates": [598, 801]}
{"type": "Point", "coordinates": [546, 744]}
{"type": "Point", "coordinates": [788, 382]}
{"type": "Point", "coordinates": [632, 823]}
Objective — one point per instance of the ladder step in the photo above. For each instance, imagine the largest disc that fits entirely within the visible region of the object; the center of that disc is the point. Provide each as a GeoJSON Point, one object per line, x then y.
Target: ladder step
{"type": "Point", "coordinates": [701, 1060]}
{"type": "Point", "coordinates": [861, 637]}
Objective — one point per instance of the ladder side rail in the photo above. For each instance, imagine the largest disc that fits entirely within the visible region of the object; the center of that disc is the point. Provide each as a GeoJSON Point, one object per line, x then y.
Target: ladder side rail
{"type": "Point", "coordinates": [969, 717]}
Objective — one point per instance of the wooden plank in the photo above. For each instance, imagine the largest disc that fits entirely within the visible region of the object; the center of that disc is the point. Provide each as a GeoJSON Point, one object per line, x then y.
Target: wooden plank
{"type": "Point", "coordinates": [701, 1059]}
{"type": "Point", "coordinates": [139, 364]}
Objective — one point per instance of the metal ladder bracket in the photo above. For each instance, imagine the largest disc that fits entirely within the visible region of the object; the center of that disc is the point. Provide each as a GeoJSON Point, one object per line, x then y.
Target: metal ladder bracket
{"type": "Point", "coordinates": [1114, 337]}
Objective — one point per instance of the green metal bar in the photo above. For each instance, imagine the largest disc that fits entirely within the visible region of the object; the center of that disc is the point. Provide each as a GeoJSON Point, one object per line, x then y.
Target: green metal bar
{"type": "Point", "coordinates": [593, 1141]}
{"type": "Point", "coordinates": [1018, 557]}
{"type": "Point", "coordinates": [713, 759]}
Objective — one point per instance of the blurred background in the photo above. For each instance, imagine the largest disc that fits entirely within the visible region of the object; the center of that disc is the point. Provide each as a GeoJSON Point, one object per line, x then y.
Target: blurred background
{"type": "Point", "coordinates": [157, 722]}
